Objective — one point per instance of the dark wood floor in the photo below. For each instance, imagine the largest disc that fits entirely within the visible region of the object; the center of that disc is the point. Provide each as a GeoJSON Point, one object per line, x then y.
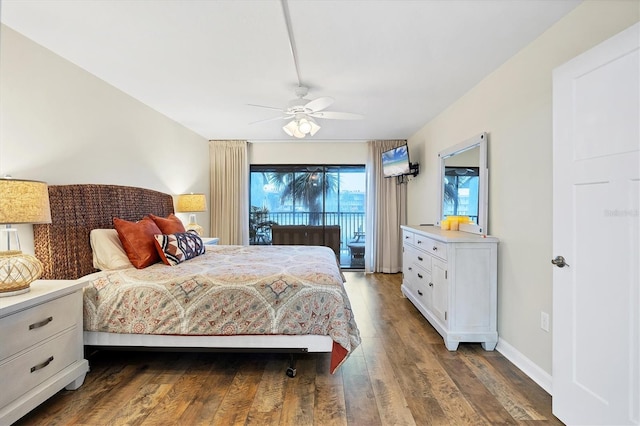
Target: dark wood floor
{"type": "Point", "coordinates": [401, 375]}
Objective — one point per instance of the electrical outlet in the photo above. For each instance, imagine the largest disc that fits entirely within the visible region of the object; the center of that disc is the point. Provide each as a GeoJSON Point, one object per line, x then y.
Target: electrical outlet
{"type": "Point", "coordinates": [544, 321]}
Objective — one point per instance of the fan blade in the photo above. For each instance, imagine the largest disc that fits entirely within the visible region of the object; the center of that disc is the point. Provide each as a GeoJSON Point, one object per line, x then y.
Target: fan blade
{"type": "Point", "coordinates": [264, 106]}
{"type": "Point", "coordinates": [319, 104]}
{"type": "Point", "coordinates": [337, 115]}
{"type": "Point", "coordinates": [281, 117]}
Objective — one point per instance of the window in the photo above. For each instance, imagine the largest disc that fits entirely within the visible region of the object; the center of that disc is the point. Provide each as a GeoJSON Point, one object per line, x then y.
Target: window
{"type": "Point", "coordinates": [461, 191]}
{"type": "Point", "coordinates": [315, 195]}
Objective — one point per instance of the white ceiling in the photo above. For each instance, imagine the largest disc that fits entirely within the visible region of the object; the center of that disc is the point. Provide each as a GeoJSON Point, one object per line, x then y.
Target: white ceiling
{"type": "Point", "coordinates": [200, 62]}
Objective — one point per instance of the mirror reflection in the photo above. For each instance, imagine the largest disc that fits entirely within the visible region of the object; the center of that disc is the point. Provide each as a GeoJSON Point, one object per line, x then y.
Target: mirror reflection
{"type": "Point", "coordinates": [463, 172]}
{"type": "Point", "coordinates": [461, 184]}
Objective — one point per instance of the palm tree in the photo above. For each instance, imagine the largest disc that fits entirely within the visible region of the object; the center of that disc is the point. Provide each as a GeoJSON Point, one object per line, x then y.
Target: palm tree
{"type": "Point", "coordinates": [452, 182]}
{"type": "Point", "coordinates": [451, 192]}
{"type": "Point", "coordinates": [308, 188]}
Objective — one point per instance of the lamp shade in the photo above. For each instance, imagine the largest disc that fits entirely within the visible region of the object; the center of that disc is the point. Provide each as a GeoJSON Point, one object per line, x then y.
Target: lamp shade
{"type": "Point", "coordinates": [24, 201]}
{"type": "Point", "coordinates": [21, 201]}
{"type": "Point", "coordinates": [187, 203]}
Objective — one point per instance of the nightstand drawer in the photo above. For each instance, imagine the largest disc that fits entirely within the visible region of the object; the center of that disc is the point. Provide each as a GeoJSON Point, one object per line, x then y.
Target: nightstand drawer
{"type": "Point", "coordinates": [22, 373]}
{"type": "Point", "coordinates": [25, 328]}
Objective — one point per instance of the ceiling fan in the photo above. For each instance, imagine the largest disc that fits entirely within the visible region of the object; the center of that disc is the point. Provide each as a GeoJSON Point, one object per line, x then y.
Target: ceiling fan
{"type": "Point", "coordinates": [302, 113]}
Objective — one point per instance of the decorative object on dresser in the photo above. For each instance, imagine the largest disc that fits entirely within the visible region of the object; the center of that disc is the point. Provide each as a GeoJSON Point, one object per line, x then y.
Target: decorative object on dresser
{"type": "Point", "coordinates": [452, 278]}
{"type": "Point", "coordinates": [21, 201]}
{"type": "Point", "coordinates": [192, 203]}
{"type": "Point", "coordinates": [42, 349]}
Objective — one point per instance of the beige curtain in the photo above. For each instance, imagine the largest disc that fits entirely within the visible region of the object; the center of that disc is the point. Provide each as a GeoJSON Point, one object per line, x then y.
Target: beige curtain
{"type": "Point", "coordinates": [229, 191]}
{"type": "Point", "coordinates": [386, 211]}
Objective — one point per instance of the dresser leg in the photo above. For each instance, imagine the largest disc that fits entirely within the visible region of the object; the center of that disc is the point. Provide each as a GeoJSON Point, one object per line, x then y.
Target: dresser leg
{"type": "Point", "coordinates": [489, 346]}
{"type": "Point", "coordinates": [452, 345]}
{"type": "Point", "coordinates": [76, 383]}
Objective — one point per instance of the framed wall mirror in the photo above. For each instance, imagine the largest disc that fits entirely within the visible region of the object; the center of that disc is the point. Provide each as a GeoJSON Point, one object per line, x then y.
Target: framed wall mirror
{"type": "Point", "coordinates": [464, 183]}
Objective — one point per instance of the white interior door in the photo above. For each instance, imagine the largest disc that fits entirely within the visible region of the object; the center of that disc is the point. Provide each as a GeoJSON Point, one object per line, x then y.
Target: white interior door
{"type": "Point", "coordinates": [596, 164]}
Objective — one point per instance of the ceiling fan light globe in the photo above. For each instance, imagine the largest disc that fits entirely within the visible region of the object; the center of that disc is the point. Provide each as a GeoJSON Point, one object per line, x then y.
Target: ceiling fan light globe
{"type": "Point", "coordinates": [298, 134]}
{"type": "Point", "coordinates": [314, 128]}
{"type": "Point", "coordinates": [304, 126]}
{"type": "Point", "coordinates": [290, 127]}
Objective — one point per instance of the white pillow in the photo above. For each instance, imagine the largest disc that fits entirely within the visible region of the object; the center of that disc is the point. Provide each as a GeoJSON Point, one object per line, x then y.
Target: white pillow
{"type": "Point", "coordinates": [108, 252]}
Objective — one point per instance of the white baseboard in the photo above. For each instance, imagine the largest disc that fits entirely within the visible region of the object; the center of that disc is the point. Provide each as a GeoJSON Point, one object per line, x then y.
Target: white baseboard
{"type": "Point", "coordinates": [537, 374]}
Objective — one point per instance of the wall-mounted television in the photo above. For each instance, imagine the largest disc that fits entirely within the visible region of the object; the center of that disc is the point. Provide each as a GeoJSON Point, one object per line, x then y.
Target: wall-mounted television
{"type": "Point", "coordinates": [395, 162]}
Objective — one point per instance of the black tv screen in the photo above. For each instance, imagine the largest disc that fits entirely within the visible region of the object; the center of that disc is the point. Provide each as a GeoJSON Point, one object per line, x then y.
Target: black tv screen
{"type": "Point", "coordinates": [395, 162]}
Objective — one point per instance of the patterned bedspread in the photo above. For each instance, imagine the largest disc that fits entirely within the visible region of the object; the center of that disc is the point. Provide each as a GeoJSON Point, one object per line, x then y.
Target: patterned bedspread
{"type": "Point", "coordinates": [228, 290]}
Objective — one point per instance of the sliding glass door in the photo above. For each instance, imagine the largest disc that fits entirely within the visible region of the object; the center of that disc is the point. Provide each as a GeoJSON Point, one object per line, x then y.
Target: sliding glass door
{"type": "Point", "coordinates": [313, 195]}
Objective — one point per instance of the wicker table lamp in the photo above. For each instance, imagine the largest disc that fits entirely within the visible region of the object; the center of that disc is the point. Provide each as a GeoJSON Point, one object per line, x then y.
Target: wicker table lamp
{"type": "Point", "coordinates": [21, 201]}
{"type": "Point", "coordinates": [192, 203]}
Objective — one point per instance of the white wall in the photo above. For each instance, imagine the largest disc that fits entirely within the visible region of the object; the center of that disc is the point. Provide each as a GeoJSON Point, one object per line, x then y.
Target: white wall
{"type": "Point", "coordinates": [514, 106]}
{"type": "Point", "coordinates": [62, 125]}
{"type": "Point", "coordinates": [306, 152]}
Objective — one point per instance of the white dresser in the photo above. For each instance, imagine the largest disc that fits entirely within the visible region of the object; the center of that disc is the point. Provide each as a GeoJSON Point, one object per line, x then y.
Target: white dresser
{"type": "Point", "coordinates": [41, 349]}
{"type": "Point", "coordinates": [451, 277]}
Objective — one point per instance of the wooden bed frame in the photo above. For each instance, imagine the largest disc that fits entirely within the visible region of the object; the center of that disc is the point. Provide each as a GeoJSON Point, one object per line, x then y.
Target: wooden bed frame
{"type": "Point", "coordinates": [64, 249]}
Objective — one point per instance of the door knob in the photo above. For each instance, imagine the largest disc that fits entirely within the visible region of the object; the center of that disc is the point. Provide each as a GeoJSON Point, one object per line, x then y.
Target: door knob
{"type": "Point", "coordinates": [559, 262]}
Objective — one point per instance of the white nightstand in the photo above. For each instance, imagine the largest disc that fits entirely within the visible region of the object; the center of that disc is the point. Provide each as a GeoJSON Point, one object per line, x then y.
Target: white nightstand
{"type": "Point", "coordinates": [42, 349]}
{"type": "Point", "coordinates": [210, 241]}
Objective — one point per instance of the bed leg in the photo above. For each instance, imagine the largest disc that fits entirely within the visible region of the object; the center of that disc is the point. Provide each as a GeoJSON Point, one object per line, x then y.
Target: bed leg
{"type": "Point", "coordinates": [291, 371]}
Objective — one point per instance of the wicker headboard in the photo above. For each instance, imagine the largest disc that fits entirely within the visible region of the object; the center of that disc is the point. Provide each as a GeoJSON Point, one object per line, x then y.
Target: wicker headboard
{"type": "Point", "coordinates": [63, 245]}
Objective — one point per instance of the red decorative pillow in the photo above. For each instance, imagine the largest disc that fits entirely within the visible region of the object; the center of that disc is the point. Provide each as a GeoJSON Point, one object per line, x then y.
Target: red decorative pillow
{"type": "Point", "coordinates": [169, 225]}
{"type": "Point", "coordinates": [138, 240]}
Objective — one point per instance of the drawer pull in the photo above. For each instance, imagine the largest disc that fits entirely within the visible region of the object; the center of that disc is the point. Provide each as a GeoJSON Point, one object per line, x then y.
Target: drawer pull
{"type": "Point", "coordinates": [419, 241]}
{"type": "Point", "coordinates": [420, 292]}
{"type": "Point", "coordinates": [420, 276]}
{"type": "Point", "coordinates": [42, 365]}
{"type": "Point", "coordinates": [435, 248]}
{"type": "Point", "coordinates": [420, 258]}
{"type": "Point", "coordinates": [430, 284]}
{"type": "Point", "coordinates": [41, 323]}
{"type": "Point", "coordinates": [410, 268]}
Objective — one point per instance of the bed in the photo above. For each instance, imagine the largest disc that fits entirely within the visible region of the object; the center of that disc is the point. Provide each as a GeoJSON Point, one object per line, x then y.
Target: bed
{"type": "Point", "coordinates": [259, 298]}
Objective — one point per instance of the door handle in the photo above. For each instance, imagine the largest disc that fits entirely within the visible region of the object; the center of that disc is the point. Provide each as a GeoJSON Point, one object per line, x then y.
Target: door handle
{"type": "Point", "coordinates": [559, 262]}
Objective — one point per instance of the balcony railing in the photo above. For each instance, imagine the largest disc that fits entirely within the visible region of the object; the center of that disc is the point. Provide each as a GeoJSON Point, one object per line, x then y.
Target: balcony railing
{"type": "Point", "coordinates": [350, 224]}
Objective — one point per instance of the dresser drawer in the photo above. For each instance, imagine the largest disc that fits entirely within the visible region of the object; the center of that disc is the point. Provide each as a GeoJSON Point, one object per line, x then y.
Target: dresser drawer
{"type": "Point", "coordinates": [407, 237]}
{"type": "Point", "coordinates": [21, 373]}
{"type": "Point", "coordinates": [408, 254]}
{"type": "Point", "coordinates": [422, 290]}
{"type": "Point", "coordinates": [25, 328]}
{"type": "Point", "coordinates": [434, 247]}
{"type": "Point", "coordinates": [420, 259]}
{"type": "Point", "coordinates": [414, 257]}
{"type": "Point", "coordinates": [422, 277]}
